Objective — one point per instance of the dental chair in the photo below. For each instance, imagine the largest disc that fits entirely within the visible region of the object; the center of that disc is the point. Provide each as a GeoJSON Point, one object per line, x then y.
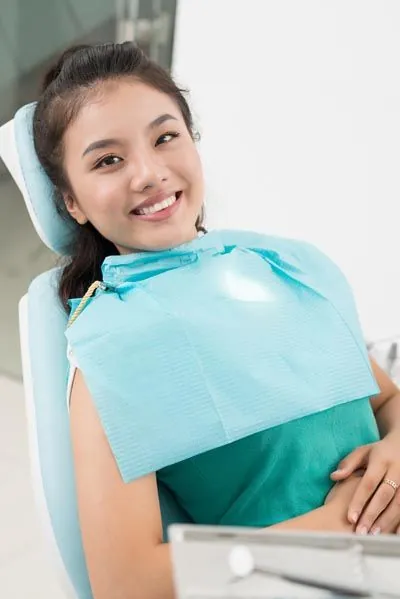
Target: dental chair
{"type": "Point", "coordinates": [45, 371]}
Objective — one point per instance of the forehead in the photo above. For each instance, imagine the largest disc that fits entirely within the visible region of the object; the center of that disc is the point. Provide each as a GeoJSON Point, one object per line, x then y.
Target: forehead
{"type": "Point", "coordinates": [117, 107]}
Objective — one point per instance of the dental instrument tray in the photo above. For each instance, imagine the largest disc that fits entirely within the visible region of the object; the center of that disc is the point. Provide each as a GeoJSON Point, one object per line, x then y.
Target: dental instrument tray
{"type": "Point", "coordinates": [230, 563]}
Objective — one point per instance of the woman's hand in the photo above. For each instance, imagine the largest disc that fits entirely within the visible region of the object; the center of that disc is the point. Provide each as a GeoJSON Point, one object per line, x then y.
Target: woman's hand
{"type": "Point", "coordinates": [343, 491]}
{"type": "Point", "coordinates": [375, 505]}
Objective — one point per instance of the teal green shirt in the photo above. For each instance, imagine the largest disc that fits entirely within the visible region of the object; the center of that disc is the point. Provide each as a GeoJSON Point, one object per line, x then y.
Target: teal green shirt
{"type": "Point", "coordinates": [274, 475]}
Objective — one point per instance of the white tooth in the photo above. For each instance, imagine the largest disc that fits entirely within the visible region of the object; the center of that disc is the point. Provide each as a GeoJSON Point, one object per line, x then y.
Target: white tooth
{"type": "Point", "coordinates": [159, 206]}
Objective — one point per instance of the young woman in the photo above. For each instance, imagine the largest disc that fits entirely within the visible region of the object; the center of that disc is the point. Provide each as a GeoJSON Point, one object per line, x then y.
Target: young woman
{"type": "Point", "coordinates": [242, 328]}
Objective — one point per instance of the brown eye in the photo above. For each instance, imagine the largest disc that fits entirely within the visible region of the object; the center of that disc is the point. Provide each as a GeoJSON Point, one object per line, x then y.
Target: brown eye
{"type": "Point", "coordinates": [108, 161]}
{"type": "Point", "coordinates": [166, 138]}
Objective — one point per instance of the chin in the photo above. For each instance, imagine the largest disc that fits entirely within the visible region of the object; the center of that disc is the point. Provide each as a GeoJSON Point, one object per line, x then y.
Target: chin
{"type": "Point", "coordinates": [173, 239]}
{"type": "Point", "coordinates": [161, 240]}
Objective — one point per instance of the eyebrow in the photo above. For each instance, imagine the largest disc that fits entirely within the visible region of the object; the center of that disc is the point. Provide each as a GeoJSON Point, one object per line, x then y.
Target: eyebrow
{"type": "Point", "coordinates": [100, 145]}
{"type": "Point", "coordinates": [106, 143]}
{"type": "Point", "coordinates": [161, 119]}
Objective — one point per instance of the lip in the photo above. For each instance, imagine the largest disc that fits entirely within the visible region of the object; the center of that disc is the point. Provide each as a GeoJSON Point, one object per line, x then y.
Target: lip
{"type": "Point", "coordinates": [163, 214]}
{"type": "Point", "coordinates": [155, 199]}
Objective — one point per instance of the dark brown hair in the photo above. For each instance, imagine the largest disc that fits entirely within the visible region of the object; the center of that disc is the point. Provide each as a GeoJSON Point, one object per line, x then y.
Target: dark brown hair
{"type": "Point", "coordinates": [66, 87]}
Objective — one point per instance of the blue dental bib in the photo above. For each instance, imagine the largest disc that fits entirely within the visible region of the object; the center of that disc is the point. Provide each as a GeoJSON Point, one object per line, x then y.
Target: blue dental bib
{"type": "Point", "coordinates": [189, 349]}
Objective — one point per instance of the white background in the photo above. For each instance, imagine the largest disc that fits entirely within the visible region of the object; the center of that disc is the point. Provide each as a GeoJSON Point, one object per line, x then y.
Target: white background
{"type": "Point", "coordinates": [298, 103]}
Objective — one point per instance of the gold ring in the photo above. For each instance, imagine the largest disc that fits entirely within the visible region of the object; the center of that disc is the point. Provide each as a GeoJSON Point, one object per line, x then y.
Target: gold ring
{"type": "Point", "coordinates": [392, 483]}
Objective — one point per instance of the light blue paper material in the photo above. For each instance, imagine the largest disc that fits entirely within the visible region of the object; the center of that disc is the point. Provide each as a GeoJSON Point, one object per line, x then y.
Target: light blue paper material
{"type": "Point", "coordinates": [192, 348]}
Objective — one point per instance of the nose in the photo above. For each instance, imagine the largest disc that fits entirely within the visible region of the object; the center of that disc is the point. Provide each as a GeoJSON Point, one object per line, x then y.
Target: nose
{"type": "Point", "coordinates": [148, 170]}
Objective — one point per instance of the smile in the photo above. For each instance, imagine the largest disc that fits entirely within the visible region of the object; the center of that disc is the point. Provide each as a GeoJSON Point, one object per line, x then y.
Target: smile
{"type": "Point", "coordinates": [159, 209]}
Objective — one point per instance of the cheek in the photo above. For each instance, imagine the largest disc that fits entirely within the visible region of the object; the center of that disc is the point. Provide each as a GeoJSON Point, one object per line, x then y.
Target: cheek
{"type": "Point", "coordinates": [198, 178]}
{"type": "Point", "coordinates": [102, 195]}
{"type": "Point", "coordinates": [190, 167]}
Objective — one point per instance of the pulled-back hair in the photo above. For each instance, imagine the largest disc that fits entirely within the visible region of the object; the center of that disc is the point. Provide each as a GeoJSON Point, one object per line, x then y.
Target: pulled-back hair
{"type": "Point", "coordinates": [66, 88]}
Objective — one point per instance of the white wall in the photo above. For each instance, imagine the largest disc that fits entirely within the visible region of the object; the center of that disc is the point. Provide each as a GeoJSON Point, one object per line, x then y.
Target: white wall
{"type": "Point", "coordinates": [299, 108]}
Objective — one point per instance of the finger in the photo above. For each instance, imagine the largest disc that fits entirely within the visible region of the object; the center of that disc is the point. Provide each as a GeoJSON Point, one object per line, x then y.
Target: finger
{"type": "Point", "coordinates": [379, 502]}
{"type": "Point", "coordinates": [389, 520]}
{"type": "Point", "coordinates": [367, 487]}
{"type": "Point", "coordinates": [355, 460]}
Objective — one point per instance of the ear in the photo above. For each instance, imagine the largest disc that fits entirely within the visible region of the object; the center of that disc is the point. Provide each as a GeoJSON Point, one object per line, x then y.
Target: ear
{"type": "Point", "coordinates": [74, 210]}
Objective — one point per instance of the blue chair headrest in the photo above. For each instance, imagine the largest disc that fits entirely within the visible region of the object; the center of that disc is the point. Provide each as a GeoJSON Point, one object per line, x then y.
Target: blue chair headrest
{"type": "Point", "coordinates": [18, 153]}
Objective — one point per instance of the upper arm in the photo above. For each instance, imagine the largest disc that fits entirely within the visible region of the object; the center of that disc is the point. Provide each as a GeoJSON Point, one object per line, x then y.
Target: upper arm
{"type": "Point", "coordinates": [386, 386]}
{"type": "Point", "coordinates": [120, 523]}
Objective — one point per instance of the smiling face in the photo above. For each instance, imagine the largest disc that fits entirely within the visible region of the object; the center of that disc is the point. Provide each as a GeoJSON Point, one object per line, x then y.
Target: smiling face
{"type": "Point", "coordinates": [133, 168]}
